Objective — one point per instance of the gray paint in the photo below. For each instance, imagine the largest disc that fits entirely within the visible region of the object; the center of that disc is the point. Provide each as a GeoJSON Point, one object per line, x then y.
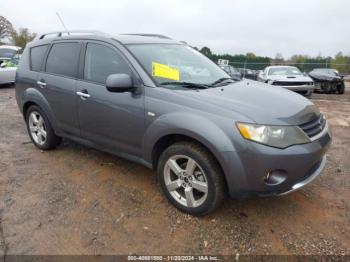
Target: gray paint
{"type": "Point", "coordinates": [129, 124]}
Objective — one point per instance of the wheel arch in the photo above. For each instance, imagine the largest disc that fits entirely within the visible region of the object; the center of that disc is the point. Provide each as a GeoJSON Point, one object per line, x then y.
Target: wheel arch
{"type": "Point", "coordinates": [171, 128]}
{"type": "Point", "coordinates": [26, 107]}
{"type": "Point", "coordinates": [167, 140]}
{"type": "Point", "coordinates": [32, 96]}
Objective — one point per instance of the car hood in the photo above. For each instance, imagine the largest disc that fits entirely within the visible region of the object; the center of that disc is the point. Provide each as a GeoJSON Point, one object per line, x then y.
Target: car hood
{"type": "Point", "coordinates": [292, 78]}
{"type": "Point", "coordinates": [324, 77]}
{"type": "Point", "coordinates": [260, 102]}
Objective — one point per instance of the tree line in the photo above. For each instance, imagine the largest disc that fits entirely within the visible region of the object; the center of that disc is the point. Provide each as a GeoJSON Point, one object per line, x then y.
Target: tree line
{"type": "Point", "coordinates": [18, 37]}
{"type": "Point", "coordinates": [305, 63]}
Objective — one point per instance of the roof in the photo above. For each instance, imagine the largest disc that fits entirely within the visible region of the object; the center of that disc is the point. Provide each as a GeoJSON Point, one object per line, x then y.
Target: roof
{"type": "Point", "coordinates": [143, 39]}
{"type": "Point", "coordinates": [123, 38]}
{"type": "Point", "coordinates": [16, 48]}
{"type": "Point", "coordinates": [325, 69]}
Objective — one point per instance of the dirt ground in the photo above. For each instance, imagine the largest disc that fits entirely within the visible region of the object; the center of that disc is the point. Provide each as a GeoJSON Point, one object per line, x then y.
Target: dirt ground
{"type": "Point", "coordinates": [75, 200]}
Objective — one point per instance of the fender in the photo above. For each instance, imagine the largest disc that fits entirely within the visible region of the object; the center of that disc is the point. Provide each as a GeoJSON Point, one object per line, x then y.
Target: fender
{"type": "Point", "coordinates": [207, 133]}
{"type": "Point", "coordinates": [35, 96]}
{"type": "Point", "coordinates": [178, 123]}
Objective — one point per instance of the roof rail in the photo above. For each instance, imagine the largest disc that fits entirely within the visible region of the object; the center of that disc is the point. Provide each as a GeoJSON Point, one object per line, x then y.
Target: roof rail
{"type": "Point", "coordinates": [70, 32]}
{"type": "Point", "coordinates": [151, 35]}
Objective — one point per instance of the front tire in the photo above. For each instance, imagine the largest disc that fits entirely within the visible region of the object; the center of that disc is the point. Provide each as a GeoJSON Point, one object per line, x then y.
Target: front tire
{"type": "Point", "coordinates": [40, 130]}
{"type": "Point", "coordinates": [308, 94]}
{"type": "Point", "coordinates": [191, 178]}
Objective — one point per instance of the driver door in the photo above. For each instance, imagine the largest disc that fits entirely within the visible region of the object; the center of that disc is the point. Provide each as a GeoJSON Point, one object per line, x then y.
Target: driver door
{"type": "Point", "coordinates": [112, 120]}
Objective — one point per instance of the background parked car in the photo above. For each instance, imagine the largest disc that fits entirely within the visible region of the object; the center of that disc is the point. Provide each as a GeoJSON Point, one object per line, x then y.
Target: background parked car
{"type": "Point", "coordinates": [328, 80]}
{"type": "Point", "coordinates": [248, 73]}
{"type": "Point", "coordinates": [9, 57]}
{"type": "Point", "coordinates": [288, 77]}
{"type": "Point", "coordinates": [232, 71]}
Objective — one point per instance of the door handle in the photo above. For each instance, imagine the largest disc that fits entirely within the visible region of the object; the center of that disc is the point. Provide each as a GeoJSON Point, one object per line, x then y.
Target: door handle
{"type": "Point", "coordinates": [41, 83]}
{"type": "Point", "coordinates": [83, 95]}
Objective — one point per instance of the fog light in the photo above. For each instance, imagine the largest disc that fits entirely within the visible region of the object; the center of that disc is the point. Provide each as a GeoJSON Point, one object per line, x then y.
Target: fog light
{"type": "Point", "coordinates": [275, 177]}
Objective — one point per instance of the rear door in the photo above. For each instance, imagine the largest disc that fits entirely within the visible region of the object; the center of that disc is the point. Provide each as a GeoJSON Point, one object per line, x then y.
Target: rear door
{"type": "Point", "coordinates": [112, 120]}
{"type": "Point", "coordinates": [58, 84]}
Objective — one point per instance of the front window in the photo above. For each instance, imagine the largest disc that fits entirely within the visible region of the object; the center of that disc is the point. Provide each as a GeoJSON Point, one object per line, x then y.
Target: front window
{"type": "Point", "coordinates": [102, 61]}
{"type": "Point", "coordinates": [171, 63]}
{"type": "Point", "coordinates": [288, 71]}
{"type": "Point", "coordinates": [7, 53]}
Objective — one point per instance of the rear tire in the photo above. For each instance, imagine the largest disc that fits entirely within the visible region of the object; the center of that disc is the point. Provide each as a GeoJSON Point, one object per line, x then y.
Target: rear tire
{"type": "Point", "coordinates": [191, 178]}
{"type": "Point", "coordinates": [341, 89]}
{"type": "Point", "coordinates": [40, 130]}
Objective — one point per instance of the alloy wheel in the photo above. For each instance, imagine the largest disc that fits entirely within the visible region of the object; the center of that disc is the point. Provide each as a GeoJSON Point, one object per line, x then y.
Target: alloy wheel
{"type": "Point", "coordinates": [185, 181]}
{"type": "Point", "coordinates": [37, 128]}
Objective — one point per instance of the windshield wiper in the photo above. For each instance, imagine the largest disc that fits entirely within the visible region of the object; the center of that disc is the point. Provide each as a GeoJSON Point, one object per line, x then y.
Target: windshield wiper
{"type": "Point", "coordinates": [221, 80]}
{"type": "Point", "coordinates": [186, 84]}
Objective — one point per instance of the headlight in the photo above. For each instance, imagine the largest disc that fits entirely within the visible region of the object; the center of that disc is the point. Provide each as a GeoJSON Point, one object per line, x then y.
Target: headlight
{"type": "Point", "coordinates": [275, 136]}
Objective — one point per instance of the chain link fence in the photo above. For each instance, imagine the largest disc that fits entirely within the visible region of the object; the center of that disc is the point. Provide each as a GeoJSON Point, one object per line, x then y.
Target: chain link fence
{"type": "Point", "coordinates": [343, 69]}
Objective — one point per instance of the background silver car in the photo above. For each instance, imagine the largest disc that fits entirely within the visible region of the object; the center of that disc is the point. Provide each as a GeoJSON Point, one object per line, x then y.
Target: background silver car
{"type": "Point", "coordinates": [289, 77]}
{"type": "Point", "coordinates": [9, 56]}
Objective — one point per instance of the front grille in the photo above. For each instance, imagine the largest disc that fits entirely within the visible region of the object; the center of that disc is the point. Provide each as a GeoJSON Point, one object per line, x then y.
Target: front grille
{"type": "Point", "coordinates": [287, 83]}
{"type": "Point", "coordinates": [314, 127]}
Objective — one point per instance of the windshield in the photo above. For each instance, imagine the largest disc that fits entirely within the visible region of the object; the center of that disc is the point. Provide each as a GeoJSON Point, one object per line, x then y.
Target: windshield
{"type": "Point", "coordinates": [327, 71]}
{"type": "Point", "coordinates": [7, 52]}
{"type": "Point", "coordinates": [174, 63]}
{"type": "Point", "coordinates": [284, 71]}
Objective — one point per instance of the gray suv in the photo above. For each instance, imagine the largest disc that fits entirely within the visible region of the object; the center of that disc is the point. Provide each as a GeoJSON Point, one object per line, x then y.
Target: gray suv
{"type": "Point", "coordinates": [161, 103]}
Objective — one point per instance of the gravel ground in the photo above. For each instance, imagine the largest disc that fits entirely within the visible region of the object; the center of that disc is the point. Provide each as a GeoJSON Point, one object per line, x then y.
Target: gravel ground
{"type": "Point", "coordinates": [76, 200]}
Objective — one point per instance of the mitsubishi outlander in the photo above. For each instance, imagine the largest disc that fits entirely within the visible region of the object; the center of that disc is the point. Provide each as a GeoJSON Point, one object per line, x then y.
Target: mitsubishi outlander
{"type": "Point", "coordinates": [161, 103]}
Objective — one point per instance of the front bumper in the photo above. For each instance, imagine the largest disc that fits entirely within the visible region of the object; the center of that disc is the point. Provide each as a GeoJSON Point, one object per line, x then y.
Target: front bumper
{"type": "Point", "coordinates": [246, 170]}
{"type": "Point", "coordinates": [308, 178]}
{"type": "Point", "coordinates": [300, 88]}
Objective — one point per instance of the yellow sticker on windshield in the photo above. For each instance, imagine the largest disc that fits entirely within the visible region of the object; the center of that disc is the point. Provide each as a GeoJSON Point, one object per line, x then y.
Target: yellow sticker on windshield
{"type": "Point", "coordinates": [164, 71]}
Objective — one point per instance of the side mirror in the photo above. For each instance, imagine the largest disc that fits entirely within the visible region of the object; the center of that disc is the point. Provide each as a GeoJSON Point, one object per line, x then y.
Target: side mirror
{"type": "Point", "coordinates": [3, 65]}
{"type": "Point", "coordinates": [119, 83]}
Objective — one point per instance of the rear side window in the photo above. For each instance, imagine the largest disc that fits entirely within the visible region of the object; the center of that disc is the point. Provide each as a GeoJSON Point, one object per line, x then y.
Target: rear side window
{"type": "Point", "coordinates": [102, 61]}
{"type": "Point", "coordinates": [63, 59]}
{"type": "Point", "coordinates": [36, 57]}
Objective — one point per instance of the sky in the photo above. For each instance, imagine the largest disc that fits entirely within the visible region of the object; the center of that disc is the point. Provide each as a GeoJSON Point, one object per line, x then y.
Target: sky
{"type": "Point", "coordinates": [264, 27]}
